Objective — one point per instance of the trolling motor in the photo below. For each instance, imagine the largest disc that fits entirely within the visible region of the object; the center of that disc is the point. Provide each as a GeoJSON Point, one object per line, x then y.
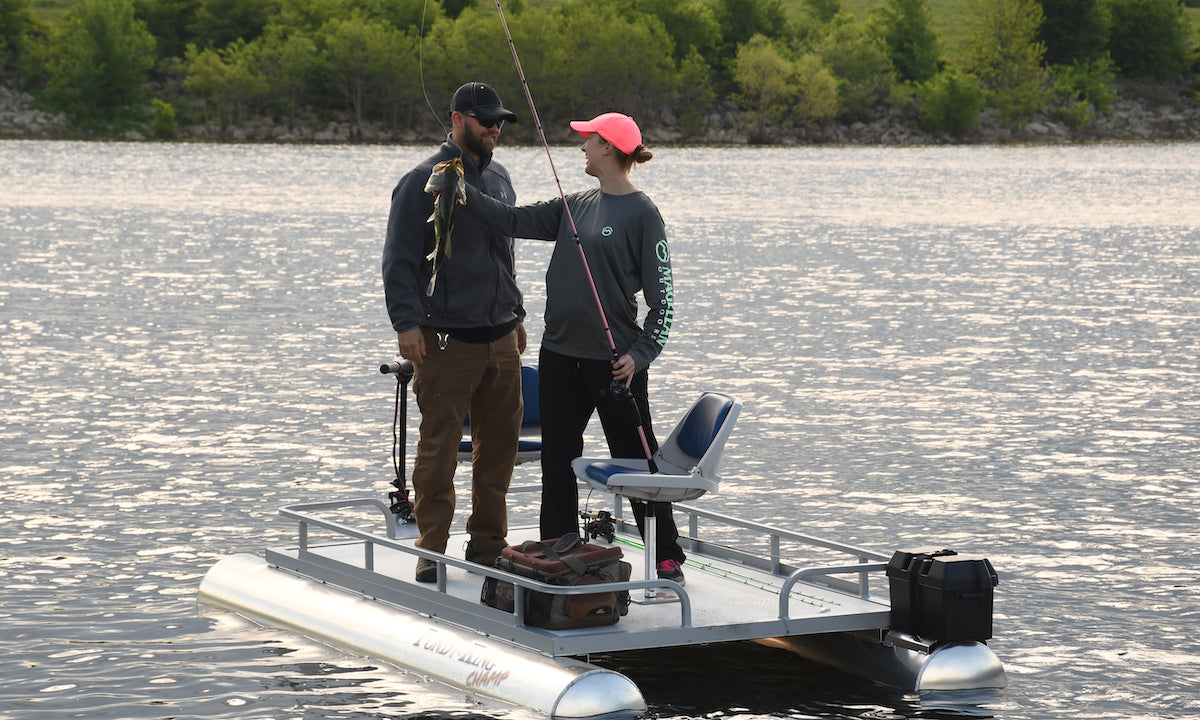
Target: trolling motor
{"type": "Point", "coordinates": [401, 505]}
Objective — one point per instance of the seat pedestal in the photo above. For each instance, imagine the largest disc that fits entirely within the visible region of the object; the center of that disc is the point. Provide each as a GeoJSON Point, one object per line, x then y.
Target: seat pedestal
{"type": "Point", "coordinates": [650, 530]}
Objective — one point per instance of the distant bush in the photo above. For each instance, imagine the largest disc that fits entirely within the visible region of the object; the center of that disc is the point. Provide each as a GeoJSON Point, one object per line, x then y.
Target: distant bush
{"type": "Point", "coordinates": [777, 90]}
{"type": "Point", "coordinates": [1074, 30]}
{"type": "Point", "coordinates": [163, 120]}
{"type": "Point", "coordinates": [15, 19]}
{"type": "Point", "coordinates": [950, 102]}
{"type": "Point", "coordinates": [1149, 38]}
{"type": "Point", "coordinates": [95, 66]}
{"type": "Point", "coordinates": [1085, 90]}
{"type": "Point", "coordinates": [1004, 53]}
{"type": "Point", "coordinates": [907, 29]}
{"type": "Point", "coordinates": [859, 59]}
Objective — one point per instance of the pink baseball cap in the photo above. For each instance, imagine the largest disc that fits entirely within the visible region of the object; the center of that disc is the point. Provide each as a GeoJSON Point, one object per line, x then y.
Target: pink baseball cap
{"type": "Point", "coordinates": [618, 129]}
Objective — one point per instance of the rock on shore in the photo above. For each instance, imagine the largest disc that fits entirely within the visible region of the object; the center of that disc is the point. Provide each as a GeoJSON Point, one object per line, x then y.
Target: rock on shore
{"type": "Point", "coordinates": [1173, 115]}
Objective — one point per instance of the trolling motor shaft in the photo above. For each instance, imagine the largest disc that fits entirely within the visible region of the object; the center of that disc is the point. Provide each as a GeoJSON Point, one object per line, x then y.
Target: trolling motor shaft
{"type": "Point", "coordinates": [401, 505]}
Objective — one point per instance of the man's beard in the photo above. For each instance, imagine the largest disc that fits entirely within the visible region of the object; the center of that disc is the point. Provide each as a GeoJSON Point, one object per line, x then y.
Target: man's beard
{"type": "Point", "coordinates": [475, 145]}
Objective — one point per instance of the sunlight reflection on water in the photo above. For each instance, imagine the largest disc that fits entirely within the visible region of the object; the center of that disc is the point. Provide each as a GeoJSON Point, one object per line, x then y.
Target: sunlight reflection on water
{"type": "Point", "coordinates": [993, 349]}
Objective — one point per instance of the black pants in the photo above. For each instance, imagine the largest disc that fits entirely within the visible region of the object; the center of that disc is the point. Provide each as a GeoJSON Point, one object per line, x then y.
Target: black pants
{"type": "Point", "coordinates": [569, 391]}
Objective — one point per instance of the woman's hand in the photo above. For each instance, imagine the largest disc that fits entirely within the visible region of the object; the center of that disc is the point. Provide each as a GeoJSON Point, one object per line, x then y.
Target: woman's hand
{"type": "Point", "coordinates": [623, 370]}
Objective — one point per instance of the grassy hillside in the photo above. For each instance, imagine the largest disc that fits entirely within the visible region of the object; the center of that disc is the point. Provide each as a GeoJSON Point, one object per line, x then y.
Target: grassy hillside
{"type": "Point", "coordinates": [950, 17]}
{"type": "Point", "coordinates": [50, 11]}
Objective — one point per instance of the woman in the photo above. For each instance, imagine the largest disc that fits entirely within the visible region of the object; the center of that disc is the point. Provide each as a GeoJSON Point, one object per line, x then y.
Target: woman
{"type": "Point", "coordinates": [624, 241]}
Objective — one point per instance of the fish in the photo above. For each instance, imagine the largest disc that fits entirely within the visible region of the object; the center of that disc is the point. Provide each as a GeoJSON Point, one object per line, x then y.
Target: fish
{"type": "Point", "coordinates": [449, 190]}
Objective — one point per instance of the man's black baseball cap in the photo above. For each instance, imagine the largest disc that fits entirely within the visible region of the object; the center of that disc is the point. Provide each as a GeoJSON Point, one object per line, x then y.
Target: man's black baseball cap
{"type": "Point", "coordinates": [480, 102]}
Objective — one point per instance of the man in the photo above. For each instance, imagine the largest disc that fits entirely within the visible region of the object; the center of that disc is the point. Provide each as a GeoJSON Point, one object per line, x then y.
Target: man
{"type": "Point", "coordinates": [465, 339]}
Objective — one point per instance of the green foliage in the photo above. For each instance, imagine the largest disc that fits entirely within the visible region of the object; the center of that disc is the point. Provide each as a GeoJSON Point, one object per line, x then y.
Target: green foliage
{"type": "Point", "coordinates": [228, 77]}
{"type": "Point", "coordinates": [696, 92]}
{"type": "Point", "coordinates": [218, 23]}
{"type": "Point", "coordinates": [624, 65]}
{"type": "Point", "coordinates": [96, 64]}
{"type": "Point", "coordinates": [778, 91]}
{"type": "Point", "coordinates": [790, 62]}
{"type": "Point", "coordinates": [1074, 31]}
{"type": "Point", "coordinates": [912, 43]}
{"type": "Point", "coordinates": [950, 102]}
{"type": "Point", "coordinates": [365, 60]}
{"type": "Point", "coordinates": [740, 20]}
{"type": "Point", "coordinates": [163, 120]}
{"type": "Point", "coordinates": [823, 11]}
{"type": "Point", "coordinates": [1004, 53]}
{"type": "Point", "coordinates": [16, 18]}
{"type": "Point", "coordinates": [169, 21]}
{"type": "Point", "coordinates": [1084, 89]}
{"type": "Point", "coordinates": [1149, 38]}
{"type": "Point", "coordinates": [290, 64]}
{"type": "Point", "coordinates": [859, 60]}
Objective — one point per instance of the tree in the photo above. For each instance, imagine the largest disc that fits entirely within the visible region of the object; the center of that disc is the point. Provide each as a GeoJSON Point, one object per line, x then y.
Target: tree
{"type": "Point", "coordinates": [780, 91]}
{"type": "Point", "coordinates": [229, 77]}
{"type": "Point", "coordinates": [220, 22]}
{"type": "Point", "coordinates": [743, 19]}
{"type": "Point", "coordinates": [98, 62]}
{"type": "Point", "coordinates": [690, 23]}
{"type": "Point", "coordinates": [625, 65]}
{"type": "Point", "coordinates": [907, 30]}
{"type": "Point", "coordinates": [1149, 38]}
{"type": "Point", "coordinates": [288, 62]}
{"type": "Point", "coordinates": [950, 102]}
{"type": "Point", "coordinates": [15, 19]}
{"type": "Point", "coordinates": [823, 11]}
{"type": "Point", "coordinates": [365, 63]}
{"type": "Point", "coordinates": [859, 60]}
{"type": "Point", "coordinates": [169, 21]}
{"type": "Point", "coordinates": [1004, 53]}
{"type": "Point", "coordinates": [1074, 31]}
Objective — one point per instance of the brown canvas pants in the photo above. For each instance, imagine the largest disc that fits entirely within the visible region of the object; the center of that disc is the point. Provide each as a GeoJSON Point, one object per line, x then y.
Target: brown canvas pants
{"type": "Point", "coordinates": [484, 379]}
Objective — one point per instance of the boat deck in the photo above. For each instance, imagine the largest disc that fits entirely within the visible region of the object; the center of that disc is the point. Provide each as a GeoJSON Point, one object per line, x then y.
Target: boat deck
{"type": "Point", "coordinates": [743, 593]}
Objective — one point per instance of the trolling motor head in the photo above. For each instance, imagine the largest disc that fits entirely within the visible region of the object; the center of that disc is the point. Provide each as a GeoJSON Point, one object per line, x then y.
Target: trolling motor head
{"type": "Point", "coordinates": [402, 369]}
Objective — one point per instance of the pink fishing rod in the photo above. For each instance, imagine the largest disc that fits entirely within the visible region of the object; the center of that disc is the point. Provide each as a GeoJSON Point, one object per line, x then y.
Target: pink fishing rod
{"type": "Point", "coordinates": [537, 121]}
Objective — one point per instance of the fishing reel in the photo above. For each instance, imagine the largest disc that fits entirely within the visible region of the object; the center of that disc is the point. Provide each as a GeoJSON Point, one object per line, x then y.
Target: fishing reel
{"type": "Point", "coordinates": [599, 525]}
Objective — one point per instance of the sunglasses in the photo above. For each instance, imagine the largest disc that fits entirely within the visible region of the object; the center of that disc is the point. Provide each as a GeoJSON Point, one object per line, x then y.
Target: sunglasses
{"type": "Point", "coordinates": [486, 123]}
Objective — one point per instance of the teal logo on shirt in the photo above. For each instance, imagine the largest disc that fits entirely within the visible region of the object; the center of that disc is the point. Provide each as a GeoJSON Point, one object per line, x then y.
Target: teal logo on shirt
{"type": "Point", "coordinates": [607, 231]}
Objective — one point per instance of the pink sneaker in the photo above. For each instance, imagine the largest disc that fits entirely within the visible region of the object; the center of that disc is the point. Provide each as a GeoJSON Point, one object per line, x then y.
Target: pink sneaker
{"type": "Point", "coordinates": [671, 570]}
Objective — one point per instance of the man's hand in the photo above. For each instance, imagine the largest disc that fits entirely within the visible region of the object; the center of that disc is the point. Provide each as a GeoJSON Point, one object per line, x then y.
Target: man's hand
{"type": "Point", "coordinates": [412, 344]}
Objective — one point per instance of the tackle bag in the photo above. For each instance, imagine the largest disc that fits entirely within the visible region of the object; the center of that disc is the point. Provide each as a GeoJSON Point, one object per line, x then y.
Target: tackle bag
{"type": "Point", "coordinates": [565, 561]}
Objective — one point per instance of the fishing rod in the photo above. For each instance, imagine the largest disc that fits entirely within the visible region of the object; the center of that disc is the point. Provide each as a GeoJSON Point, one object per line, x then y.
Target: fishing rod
{"type": "Point", "coordinates": [612, 345]}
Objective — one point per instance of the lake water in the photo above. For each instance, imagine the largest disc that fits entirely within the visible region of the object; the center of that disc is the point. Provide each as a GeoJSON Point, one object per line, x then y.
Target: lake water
{"type": "Point", "coordinates": [995, 349]}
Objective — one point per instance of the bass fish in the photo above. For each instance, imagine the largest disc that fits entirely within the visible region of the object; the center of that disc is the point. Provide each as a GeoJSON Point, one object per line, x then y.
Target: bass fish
{"type": "Point", "coordinates": [449, 189]}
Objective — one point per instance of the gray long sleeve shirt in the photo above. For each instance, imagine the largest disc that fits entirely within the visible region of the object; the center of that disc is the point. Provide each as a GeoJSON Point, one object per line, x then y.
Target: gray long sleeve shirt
{"type": "Point", "coordinates": [625, 242]}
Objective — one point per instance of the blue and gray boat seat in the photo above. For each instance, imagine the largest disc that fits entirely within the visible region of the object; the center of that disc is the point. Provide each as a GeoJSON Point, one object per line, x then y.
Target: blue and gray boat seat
{"type": "Point", "coordinates": [529, 447]}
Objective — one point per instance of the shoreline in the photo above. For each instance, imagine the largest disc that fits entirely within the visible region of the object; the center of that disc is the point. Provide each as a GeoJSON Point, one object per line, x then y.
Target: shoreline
{"type": "Point", "coordinates": [1169, 115]}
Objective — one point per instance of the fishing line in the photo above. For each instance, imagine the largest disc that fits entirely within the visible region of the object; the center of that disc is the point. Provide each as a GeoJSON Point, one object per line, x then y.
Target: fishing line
{"type": "Point", "coordinates": [421, 66]}
{"type": "Point", "coordinates": [537, 121]}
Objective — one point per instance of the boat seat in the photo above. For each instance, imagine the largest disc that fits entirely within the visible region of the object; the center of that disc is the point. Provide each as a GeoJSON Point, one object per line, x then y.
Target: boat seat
{"type": "Point", "coordinates": [687, 464]}
{"type": "Point", "coordinates": [529, 446]}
